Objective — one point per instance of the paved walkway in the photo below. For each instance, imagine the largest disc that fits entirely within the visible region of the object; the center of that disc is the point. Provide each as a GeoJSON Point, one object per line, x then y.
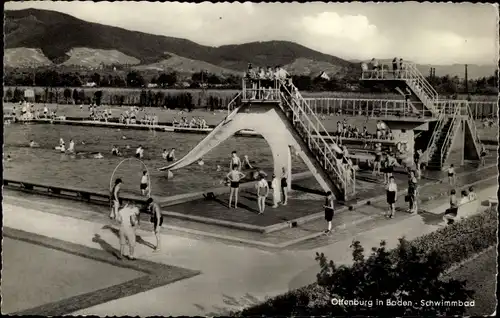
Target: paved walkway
{"type": "Point", "coordinates": [232, 276]}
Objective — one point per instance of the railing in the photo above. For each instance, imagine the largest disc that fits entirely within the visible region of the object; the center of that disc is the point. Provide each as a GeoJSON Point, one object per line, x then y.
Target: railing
{"type": "Point", "coordinates": [431, 147]}
{"type": "Point", "coordinates": [449, 136]}
{"type": "Point", "coordinates": [229, 110]}
{"type": "Point", "coordinates": [366, 107]}
{"type": "Point", "coordinates": [472, 125]}
{"type": "Point", "coordinates": [325, 149]}
{"type": "Point", "coordinates": [261, 89]}
{"type": "Point", "coordinates": [412, 76]}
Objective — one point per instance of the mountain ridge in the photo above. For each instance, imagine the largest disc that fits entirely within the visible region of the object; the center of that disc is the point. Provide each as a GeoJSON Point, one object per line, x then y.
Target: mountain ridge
{"type": "Point", "coordinates": [58, 38]}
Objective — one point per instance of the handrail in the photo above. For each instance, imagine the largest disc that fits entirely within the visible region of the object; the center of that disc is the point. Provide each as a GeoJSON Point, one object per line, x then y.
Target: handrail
{"type": "Point", "coordinates": [433, 93]}
{"type": "Point", "coordinates": [449, 135]}
{"type": "Point", "coordinates": [317, 126]}
{"type": "Point", "coordinates": [325, 151]}
{"type": "Point", "coordinates": [431, 146]}
{"type": "Point", "coordinates": [472, 124]}
{"type": "Point", "coordinates": [384, 107]}
{"type": "Point", "coordinates": [232, 101]}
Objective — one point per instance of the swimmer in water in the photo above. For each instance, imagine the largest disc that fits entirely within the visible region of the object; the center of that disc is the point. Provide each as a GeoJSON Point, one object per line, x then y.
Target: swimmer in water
{"type": "Point", "coordinates": [61, 142]}
{"type": "Point", "coordinates": [234, 177]}
{"type": "Point", "coordinates": [144, 182]}
{"type": "Point", "coordinates": [235, 161]}
{"type": "Point", "coordinates": [201, 162]}
{"type": "Point", "coordinates": [8, 158]}
{"type": "Point", "coordinates": [164, 154]}
{"type": "Point", "coordinates": [246, 163]}
{"type": "Point", "coordinates": [71, 146]}
{"type": "Point", "coordinates": [139, 153]}
{"type": "Point", "coordinates": [171, 155]}
{"type": "Point", "coordinates": [123, 137]}
{"type": "Point", "coordinates": [97, 155]}
{"type": "Point", "coordinates": [219, 168]}
{"type": "Point", "coordinates": [115, 151]}
{"type": "Point", "coordinates": [33, 144]}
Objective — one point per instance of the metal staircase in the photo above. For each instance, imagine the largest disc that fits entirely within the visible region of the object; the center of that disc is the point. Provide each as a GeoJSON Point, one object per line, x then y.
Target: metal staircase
{"type": "Point", "coordinates": [313, 133]}
{"type": "Point", "coordinates": [442, 142]}
{"type": "Point", "coordinates": [473, 129]}
{"type": "Point", "coordinates": [413, 79]}
{"type": "Point", "coordinates": [419, 85]}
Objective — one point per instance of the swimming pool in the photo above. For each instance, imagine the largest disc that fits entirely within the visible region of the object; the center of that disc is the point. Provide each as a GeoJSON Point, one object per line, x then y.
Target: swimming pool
{"type": "Point", "coordinates": [45, 165]}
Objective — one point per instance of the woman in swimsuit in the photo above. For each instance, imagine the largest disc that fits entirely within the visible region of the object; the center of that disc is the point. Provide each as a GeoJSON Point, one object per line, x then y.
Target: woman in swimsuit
{"type": "Point", "coordinates": [392, 192]}
{"type": "Point", "coordinates": [234, 177]}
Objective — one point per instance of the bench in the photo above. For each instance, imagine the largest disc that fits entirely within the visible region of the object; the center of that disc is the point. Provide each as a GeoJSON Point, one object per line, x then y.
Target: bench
{"type": "Point", "coordinates": [464, 211]}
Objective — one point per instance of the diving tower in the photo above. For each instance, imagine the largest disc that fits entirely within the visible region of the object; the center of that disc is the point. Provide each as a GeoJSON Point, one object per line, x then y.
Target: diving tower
{"type": "Point", "coordinates": [277, 111]}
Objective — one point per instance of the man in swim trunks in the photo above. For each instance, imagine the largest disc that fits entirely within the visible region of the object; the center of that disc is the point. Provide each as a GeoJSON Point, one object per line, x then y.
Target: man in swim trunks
{"type": "Point", "coordinates": [129, 219]}
{"type": "Point", "coordinates": [144, 182]}
{"type": "Point", "coordinates": [329, 210]}
{"type": "Point", "coordinates": [234, 177]}
{"type": "Point", "coordinates": [156, 219]}
{"type": "Point", "coordinates": [235, 161]}
{"type": "Point", "coordinates": [115, 151]}
{"type": "Point", "coordinates": [115, 198]}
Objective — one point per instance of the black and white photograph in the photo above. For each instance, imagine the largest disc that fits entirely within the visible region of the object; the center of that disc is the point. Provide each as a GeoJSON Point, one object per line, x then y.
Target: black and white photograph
{"type": "Point", "coordinates": [250, 159]}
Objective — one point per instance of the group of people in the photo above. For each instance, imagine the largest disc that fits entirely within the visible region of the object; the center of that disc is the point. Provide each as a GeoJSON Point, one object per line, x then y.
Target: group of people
{"type": "Point", "coordinates": [279, 186]}
{"type": "Point", "coordinates": [193, 123]}
{"type": "Point", "coordinates": [376, 69]}
{"type": "Point", "coordinates": [127, 215]}
{"type": "Point", "coordinates": [264, 81]}
{"type": "Point", "coordinates": [29, 111]}
{"type": "Point", "coordinates": [451, 214]}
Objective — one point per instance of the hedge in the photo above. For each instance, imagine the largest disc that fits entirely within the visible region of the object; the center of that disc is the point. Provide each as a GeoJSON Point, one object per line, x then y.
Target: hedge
{"type": "Point", "coordinates": [454, 243]}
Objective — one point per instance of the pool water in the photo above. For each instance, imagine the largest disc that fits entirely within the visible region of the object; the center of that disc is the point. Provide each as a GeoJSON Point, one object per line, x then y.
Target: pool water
{"type": "Point", "coordinates": [47, 166]}
{"type": "Point", "coordinates": [34, 275]}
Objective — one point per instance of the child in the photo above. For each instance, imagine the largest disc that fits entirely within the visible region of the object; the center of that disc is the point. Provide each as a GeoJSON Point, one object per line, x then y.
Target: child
{"type": "Point", "coordinates": [392, 193]}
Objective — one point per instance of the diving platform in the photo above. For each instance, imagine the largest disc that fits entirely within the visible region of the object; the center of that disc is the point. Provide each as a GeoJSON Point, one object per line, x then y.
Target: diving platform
{"type": "Point", "coordinates": [407, 78]}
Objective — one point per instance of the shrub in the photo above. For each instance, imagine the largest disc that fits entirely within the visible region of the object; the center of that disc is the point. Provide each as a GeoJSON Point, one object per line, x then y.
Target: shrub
{"type": "Point", "coordinates": [411, 272]}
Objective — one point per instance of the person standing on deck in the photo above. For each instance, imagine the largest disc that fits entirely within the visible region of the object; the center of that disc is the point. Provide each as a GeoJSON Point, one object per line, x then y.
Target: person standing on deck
{"type": "Point", "coordinates": [276, 186]}
{"type": "Point", "coordinates": [144, 182]}
{"type": "Point", "coordinates": [234, 177]}
{"type": "Point", "coordinates": [156, 219]}
{"type": "Point", "coordinates": [395, 67]}
{"type": "Point", "coordinates": [262, 193]}
{"type": "Point", "coordinates": [392, 194]}
{"type": "Point", "coordinates": [329, 210]}
{"type": "Point", "coordinates": [129, 219]}
{"type": "Point", "coordinates": [412, 192]}
{"type": "Point", "coordinates": [284, 186]}
{"type": "Point", "coordinates": [115, 198]}
{"type": "Point", "coordinates": [139, 153]}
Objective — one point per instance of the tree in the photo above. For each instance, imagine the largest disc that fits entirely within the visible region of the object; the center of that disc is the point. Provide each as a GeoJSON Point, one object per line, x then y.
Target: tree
{"type": "Point", "coordinates": [67, 94]}
{"type": "Point", "coordinates": [9, 95]}
{"type": "Point", "coordinates": [96, 78]}
{"type": "Point", "coordinates": [407, 274]}
{"type": "Point", "coordinates": [98, 97]}
{"type": "Point", "coordinates": [134, 79]}
{"type": "Point", "coordinates": [75, 95]}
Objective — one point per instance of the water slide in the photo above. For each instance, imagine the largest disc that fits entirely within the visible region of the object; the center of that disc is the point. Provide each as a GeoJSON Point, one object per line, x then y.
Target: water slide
{"type": "Point", "coordinates": [216, 137]}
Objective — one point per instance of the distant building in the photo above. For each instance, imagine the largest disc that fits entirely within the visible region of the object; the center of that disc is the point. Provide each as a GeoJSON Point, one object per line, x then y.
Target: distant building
{"type": "Point", "coordinates": [323, 75]}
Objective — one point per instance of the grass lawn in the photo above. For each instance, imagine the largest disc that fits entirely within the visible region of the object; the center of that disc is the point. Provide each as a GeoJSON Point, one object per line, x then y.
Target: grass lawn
{"type": "Point", "coordinates": [480, 275]}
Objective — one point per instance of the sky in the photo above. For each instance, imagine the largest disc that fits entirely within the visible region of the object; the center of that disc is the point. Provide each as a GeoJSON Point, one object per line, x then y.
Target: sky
{"type": "Point", "coordinates": [426, 33]}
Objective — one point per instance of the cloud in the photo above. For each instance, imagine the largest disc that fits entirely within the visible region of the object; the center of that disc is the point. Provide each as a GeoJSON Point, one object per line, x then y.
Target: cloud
{"type": "Point", "coordinates": [352, 27]}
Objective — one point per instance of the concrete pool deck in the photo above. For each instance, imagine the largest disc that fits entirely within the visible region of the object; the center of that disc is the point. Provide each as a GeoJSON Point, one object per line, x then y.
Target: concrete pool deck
{"type": "Point", "coordinates": [233, 276]}
{"type": "Point", "coordinates": [142, 275]}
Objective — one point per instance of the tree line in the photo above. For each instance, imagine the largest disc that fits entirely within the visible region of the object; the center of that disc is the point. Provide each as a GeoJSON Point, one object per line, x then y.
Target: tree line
{"type": "Point", "coordinates": [448, 85]}
{"type": "Point", "coordinates": [146, 98]}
